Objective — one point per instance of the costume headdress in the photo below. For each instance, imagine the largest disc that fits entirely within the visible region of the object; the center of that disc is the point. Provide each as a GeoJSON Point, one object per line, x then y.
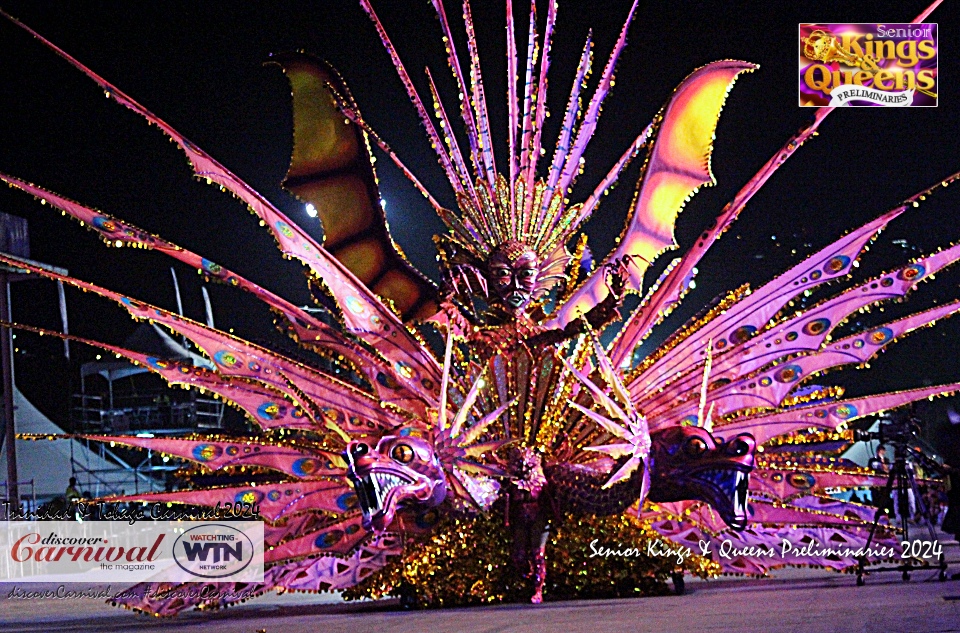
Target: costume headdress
{"type": "Point", "coordinates": [520, 206]}
{"type": "Point", "coordinates": [496, 209]}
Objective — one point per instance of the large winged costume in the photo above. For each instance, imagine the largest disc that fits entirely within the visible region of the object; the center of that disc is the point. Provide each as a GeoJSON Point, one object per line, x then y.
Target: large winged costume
{"type": "Point", "coordinates": [533, 408]}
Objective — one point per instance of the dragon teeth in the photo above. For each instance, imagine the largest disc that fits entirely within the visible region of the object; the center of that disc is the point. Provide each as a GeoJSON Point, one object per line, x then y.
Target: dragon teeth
{"type": "Point", "coordinates": [387, 482]}
{"type": "Point", "coordinates": [740, 494]}
{"type": "Point", "coordinates": [377, 491]}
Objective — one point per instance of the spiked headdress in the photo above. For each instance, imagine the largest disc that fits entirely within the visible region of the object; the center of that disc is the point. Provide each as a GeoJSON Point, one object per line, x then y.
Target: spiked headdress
{"type": "Point", "coordinates": [495, 209]}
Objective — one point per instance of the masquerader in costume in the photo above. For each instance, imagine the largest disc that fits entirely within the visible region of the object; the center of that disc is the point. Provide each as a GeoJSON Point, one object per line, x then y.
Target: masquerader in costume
{"type": "Point", "coordinates": [525, 413]}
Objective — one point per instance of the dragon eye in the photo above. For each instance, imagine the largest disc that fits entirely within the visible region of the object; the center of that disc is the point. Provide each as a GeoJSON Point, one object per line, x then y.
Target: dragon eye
{"type": "Point", "coordinates": [359, 450]}
{"type": "Point", "coordinates": [402, 453]}
{"type": "Point", "coordinates": [738, 447]}
{"type": "Point", "coordinates": [695, 447]}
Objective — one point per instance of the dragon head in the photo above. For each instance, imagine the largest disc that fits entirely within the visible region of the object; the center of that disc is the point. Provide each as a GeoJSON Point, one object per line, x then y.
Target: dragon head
{"type": "Point", "coordinates": [690, 463]}
{"type": "Point", "coordinates": [398, 471]}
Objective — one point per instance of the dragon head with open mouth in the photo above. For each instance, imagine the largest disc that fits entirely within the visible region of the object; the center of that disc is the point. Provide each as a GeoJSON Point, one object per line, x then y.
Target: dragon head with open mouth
{"type": "Point", "coordinates": [690, 463]}
{"type": "Point", "coordinates": [397, 471]}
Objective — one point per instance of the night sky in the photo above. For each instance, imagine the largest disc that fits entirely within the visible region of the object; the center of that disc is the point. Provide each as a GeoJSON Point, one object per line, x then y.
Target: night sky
{"type": "Point", "coordinates": [199, 66]}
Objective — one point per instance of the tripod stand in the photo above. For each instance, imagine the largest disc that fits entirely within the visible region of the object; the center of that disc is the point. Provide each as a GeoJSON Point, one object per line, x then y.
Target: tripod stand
{"type": "Point", "coordinates": [903, 481]}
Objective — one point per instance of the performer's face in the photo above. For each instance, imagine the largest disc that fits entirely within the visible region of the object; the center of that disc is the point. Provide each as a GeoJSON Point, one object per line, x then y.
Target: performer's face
{"type": "Point", "coordinates": [513, 271]}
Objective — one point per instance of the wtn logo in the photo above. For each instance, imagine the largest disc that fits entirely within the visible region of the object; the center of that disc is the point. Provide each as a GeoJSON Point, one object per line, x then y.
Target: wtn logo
{"type": "Point", "coordinates": [221, 551]}
{"type": "Point", "coordinates": [218, 550]}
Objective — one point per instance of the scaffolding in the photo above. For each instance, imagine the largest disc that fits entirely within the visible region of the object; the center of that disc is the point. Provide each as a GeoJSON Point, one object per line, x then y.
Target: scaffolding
{"type": "Point", "coordinates": [115, 398]}
{"type": "Point", "coordinates": [148, 411]}
{"type": "Point", "coordinates": [118, 398]}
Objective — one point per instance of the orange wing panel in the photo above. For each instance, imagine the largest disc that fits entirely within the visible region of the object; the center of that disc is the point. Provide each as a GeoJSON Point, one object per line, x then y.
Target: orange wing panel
{"type": "Point", "coordinates": [331, 169]}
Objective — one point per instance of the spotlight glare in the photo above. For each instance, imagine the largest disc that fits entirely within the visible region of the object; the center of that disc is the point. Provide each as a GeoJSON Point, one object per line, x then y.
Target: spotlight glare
{"type": "Point", "coordinates": [311, 210]}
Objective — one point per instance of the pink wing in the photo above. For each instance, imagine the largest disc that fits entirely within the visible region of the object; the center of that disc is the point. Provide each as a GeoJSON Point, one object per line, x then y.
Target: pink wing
{"type": "Point", "coordinates": [265, 406]}
{"type": "Point", "coordinates": [275, 501]}
{"type": "Point", "coordinates": [768, 388]}
{"type": "Point", "coordinates": [785, 484]}
{"type": "Point", "coordinates": [741, 353]}
{"type": "Point", "coordinates": [344, 404]}
{"type": "Point", "coordinates": [754, 311]}
{"type": "Point", "coordinates": [215, 455]}
{"type": "Point", "coordinates": [391, 385]}
{"type": "Point", "coordinates": [363, 314]}
{"type": "Point", "coordinates": [828, 416]}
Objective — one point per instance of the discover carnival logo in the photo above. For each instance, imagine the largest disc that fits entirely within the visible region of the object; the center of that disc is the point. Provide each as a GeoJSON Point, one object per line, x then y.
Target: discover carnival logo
{"type": "Point", "coordinates": [32, 547]}
{"type": "Point", "coordinates": [868, 65]}
{"type": "Point", "coordinates": [109, 551]}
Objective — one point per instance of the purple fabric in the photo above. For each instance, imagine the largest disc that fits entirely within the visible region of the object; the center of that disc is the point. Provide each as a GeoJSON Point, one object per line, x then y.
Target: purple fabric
{"type": "Point", "coordinates": [425, 120]}
{"type": "Point", "coordinates": [326, 573]}
{"type": "Point", "coordinates": [540, 112]}
{"type": "Point", "coordinates": [479, 101]}
{"type": "Point", "coordinates": [592, 115]}
{"type": "Point", "coordinates": [569, 121]}
{"type": "Point", "coordinates": [454, 63]}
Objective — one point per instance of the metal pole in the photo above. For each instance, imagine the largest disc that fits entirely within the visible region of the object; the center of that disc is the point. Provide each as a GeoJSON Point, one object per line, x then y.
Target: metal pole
{"type": "Point", "coordinates": [10, 433]}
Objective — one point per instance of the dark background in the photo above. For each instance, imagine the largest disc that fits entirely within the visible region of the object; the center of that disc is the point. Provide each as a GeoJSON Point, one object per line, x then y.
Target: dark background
{"type": "Point", "coordinates": [199, 66]}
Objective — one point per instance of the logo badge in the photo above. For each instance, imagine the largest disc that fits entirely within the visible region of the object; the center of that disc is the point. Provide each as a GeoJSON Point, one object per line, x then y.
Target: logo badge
{"type": "Point", "coordinates": [213, 550]}
{"type": "Point", "coordinates": [139, 551]}
{"type": "Point", "coordinates": [864, 65]}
